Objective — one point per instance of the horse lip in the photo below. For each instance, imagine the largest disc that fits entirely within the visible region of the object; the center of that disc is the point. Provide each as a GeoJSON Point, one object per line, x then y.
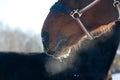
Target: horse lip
{"type": "Point", "coordinates": [55, 54]}
{"type": "Point", "coordinates": [58, 55]}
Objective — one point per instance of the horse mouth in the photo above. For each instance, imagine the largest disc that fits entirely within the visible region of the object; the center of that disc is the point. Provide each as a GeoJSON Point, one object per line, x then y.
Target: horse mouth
{"type": "Point", "coordinates": [63, 53]}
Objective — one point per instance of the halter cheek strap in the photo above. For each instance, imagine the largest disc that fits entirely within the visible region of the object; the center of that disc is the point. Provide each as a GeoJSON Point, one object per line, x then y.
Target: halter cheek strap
{"type": "Point", "coordinates": [76, 14]}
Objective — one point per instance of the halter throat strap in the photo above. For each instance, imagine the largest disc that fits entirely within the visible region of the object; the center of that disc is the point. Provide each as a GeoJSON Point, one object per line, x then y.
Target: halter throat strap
{"type": "Point", "coordinates": [117, 5]}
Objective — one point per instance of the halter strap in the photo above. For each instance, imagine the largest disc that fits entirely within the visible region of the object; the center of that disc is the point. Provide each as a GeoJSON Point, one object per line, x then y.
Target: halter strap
{"type": "Point", "coordinates": [74, 13]}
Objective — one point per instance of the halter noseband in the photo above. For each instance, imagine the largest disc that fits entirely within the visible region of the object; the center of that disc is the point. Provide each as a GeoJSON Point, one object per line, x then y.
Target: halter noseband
{"type": "Point", "coordinates": [76, 13]}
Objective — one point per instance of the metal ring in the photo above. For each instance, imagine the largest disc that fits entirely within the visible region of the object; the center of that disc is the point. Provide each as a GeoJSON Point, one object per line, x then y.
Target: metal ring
{"type": "Point", "coordinates": [75, 14]}
{"type": "Point", "coordinates": [115, 3]}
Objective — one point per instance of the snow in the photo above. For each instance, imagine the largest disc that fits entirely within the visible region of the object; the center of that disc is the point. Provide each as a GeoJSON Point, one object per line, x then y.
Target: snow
{"type": "Point", "coordinates": [116, 76]}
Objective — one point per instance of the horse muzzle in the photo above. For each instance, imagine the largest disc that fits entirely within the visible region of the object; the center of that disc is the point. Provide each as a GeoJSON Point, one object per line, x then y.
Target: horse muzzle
{"type": "Point", "coordinates": [56, 48]}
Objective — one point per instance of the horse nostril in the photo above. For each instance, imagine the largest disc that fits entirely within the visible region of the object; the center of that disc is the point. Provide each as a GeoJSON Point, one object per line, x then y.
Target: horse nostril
{"type": "Point", "coordinates": [45, 39]}
{"type": "Point", "coordinates": [49, 52]}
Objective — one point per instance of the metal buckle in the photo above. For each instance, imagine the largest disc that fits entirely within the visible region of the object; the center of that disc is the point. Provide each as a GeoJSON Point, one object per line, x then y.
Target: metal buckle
{"type": "Point", "coordinates": [75, 14]}
{"type": "Point", "coordinates": [116, 3]}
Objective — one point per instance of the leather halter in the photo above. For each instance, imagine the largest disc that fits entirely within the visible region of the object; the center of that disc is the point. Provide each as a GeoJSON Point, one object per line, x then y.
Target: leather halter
{"type": "Point", "coordinates": [76, 13]}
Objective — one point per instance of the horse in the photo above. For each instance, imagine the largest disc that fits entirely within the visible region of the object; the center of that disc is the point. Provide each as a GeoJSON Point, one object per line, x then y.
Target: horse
{"type": "Point", "coordinates": [88, 59]}
{"type": "Point", "coordinates": [64, 35]}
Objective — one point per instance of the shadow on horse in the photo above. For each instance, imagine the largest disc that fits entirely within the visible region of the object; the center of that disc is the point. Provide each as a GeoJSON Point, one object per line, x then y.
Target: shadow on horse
{"type": "Point", "coordinates": [70, 53]}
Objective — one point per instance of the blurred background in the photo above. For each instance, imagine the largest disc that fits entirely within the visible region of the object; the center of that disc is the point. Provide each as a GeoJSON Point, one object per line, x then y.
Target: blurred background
{"type": "Point", "coordinates": [116, 62]}
{"type": "Point", "coordinates": [20, 27]}
{"type": "Point", "coordinates": [20, 24]}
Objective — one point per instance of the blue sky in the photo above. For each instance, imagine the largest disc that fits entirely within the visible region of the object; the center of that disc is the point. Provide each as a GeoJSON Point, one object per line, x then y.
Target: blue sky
{"type": "Point", "coordinates": [25, 14]}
